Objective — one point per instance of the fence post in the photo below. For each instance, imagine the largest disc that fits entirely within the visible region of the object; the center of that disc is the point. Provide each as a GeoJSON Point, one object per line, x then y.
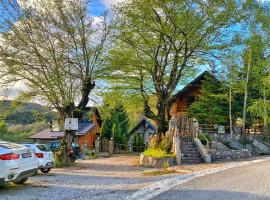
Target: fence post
{"type": "Point", "coordinates": [97, 145]}
{"type": "Point", "coordinates": [111, 147]}
{"type": "Point", "coordinates": [177, 150]}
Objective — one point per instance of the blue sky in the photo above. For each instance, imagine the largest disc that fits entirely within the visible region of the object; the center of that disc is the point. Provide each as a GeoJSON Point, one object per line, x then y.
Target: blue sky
{"type": "Point", "coordinates": [97, 7]}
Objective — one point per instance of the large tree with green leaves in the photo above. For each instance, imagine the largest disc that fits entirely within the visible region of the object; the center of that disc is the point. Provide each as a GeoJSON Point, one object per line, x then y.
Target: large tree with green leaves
{"type": "Point", "coordinates": [55, 48]}
{"type": "Point", "coordinates": [158, 42]}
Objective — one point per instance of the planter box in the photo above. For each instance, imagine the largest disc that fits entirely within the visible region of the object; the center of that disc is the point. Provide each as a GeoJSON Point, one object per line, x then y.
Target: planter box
{"type": "Point", "coordinates": [147, 161]}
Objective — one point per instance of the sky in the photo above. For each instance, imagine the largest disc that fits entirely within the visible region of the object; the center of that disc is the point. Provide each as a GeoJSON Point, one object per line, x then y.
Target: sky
{"type": "Point", "coordinates": [99, 6]}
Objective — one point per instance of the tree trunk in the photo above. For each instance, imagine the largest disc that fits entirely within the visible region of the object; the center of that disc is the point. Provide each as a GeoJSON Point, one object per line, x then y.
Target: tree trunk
{"type": "Point", "coordinates": [66, 145]}
{"type": "Point", "coordinates": [246, 92]}
{"type": "Point", "coordinates": [162, 116]}
{"type": "Point", "coordinates": [230, 103]}
{"type": "Point", "coordinates": [230, 111]}
{"type": "Point", "coordinates": [265, 114]}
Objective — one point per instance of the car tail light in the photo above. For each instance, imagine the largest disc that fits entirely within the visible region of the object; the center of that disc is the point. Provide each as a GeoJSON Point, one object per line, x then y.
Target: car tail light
{"type": "Point", "coordinates": [9, 156]}
{"type": "Point", "coordinates": [39, 155]}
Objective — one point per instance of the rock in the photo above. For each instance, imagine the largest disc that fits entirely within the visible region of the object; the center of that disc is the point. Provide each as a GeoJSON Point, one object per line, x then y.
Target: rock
{"type": "Point", "coordinates": [245, 153]}
{"type": "Point", "coordinates": [148, 161]}
{"type": "Point", "coordinates": [234, 144]}
{"type": "Point", "coordinates": [218, 146]}
{"type": "Point", "coordinates": [262, 148]}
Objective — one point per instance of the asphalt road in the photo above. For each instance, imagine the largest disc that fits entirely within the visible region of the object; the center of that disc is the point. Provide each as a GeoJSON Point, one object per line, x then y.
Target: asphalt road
{"type": "Point", "coordinates": [250, 182]}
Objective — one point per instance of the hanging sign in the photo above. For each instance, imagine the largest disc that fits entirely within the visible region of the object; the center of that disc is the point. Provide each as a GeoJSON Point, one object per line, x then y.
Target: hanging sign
{"type": "Point", "coordinates": [71, 124]}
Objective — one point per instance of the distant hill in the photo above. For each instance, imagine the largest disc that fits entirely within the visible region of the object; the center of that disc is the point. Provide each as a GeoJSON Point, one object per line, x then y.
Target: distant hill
{"type": "Point", "coordinates": [14, 112]}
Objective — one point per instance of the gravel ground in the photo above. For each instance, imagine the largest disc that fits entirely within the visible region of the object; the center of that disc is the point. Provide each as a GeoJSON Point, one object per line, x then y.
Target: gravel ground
{"type": "Point", "coordinates": [104, 178]}
{"type": "Point", "coordinates": [250, 182]}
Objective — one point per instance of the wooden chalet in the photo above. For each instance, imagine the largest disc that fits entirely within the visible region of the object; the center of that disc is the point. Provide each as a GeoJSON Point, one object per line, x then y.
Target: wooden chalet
{"type": "Point", "coordinates": [188, 95]}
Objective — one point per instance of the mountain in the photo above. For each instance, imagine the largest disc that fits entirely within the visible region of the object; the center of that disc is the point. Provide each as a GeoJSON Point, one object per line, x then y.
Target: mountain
{"type": "Point", "coordinates": [15, 112]}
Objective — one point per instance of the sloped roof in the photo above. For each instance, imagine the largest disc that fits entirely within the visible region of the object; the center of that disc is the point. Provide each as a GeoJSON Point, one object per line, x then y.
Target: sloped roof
{"type": "Point", "coordinates": [83, 129]}
{"type": "Point", "coordinates": [193, 83]}
{"type": "Point", "coordinates": [140, 123]}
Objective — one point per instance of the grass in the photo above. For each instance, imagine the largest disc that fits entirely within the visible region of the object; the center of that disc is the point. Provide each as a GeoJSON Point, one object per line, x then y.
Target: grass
{"type": "Point", "coordinates": [157, 153]}
{"type": "Point", "coordinates": [159, 172]}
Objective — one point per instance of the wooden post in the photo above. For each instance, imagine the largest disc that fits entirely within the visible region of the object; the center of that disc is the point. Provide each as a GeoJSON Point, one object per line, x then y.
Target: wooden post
{"type": "Point", "coordinates": [177, 150]}
{"type": "Point", "coordinates": [97, 145]}
{"type": "Point", "coordinates": [111, 147]}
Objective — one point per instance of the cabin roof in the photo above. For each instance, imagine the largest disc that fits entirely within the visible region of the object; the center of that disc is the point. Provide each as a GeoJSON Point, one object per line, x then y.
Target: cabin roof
{"type": "Point", "coordinates": [142, 122]}
{"type": "Point", "coordinates": [83, 129]}
{"type": "Point", "coordinates": [193, 83]}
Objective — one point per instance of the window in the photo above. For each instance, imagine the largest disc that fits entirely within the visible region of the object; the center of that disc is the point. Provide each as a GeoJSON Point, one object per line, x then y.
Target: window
{"type": "Point", "coordinates": [190, 100]}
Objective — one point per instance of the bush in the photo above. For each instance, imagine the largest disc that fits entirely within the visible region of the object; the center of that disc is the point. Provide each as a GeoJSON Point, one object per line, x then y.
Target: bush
{"type": "Point", "coordinates": [154, 142]}
{"type": "Point", "coordinates": [157, 153]}
{"type": "Point", "coordinates": [166, 142]}
{"type": "Point", "coordinates": [138, 141]}
{"type": "Point", "coordinates": [202, 137]}
{"type": "Point", "coordinates": [92, 154]}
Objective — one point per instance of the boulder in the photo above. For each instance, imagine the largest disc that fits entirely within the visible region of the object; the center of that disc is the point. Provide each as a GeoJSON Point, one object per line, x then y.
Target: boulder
{"type": "Point", "coordinates": [261, 147]}
{"type": "Point", "coordinates": [148, 161]}
{"type": "Point", "coordinates": [218, 146]}
{"type": "Point", "coordinates": [234, 144]}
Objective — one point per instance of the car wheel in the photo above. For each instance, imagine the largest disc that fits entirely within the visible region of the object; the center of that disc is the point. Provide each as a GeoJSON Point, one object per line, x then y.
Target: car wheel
{"type": "Point", "coordinates": [45, 170]}
{"type": "Point", "coordinates": [21, 181]}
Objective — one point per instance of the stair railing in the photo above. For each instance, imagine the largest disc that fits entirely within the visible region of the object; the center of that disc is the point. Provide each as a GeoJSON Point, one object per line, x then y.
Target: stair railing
{"type": "Point", "coordinates": [207, 141]}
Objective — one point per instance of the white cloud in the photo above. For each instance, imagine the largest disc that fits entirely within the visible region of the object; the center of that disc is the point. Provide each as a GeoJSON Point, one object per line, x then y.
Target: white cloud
{"type": "Point", "coordinates": [109, 3]}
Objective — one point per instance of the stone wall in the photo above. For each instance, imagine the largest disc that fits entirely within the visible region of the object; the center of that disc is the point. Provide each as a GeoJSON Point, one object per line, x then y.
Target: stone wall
{"type": "Point", "coordinates": [228, 154]}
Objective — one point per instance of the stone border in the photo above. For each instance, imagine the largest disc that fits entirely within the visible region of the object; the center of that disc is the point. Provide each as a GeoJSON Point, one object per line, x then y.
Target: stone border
{"type": "Point", "coordinates": [147, 161]}
{"type": "Point", "coordinates": [157, 188]}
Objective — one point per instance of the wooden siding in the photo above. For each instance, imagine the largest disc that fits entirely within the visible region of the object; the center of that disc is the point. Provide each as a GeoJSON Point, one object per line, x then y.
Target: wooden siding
{"type": "Point", "coordinates": [180, 105]}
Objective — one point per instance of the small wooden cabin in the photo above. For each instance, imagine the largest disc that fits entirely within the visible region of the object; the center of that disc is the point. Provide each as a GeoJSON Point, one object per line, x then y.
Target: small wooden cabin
{"type": "Point", "coordinates": [88, 131]}
{"type": "Point", "coordinates": [143, 127]}
{"type": "Point", "coordinates": [188, 95]}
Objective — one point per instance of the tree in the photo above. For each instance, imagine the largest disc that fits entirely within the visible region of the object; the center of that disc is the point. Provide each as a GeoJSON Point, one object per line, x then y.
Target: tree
{"type": "Point", "coordinates": [116, 125]}
{"type": "Point", "coordinates": [157, 46]}
{"type": "Point", "coordinates": [55, 48]}
{"type": "Point", "coordinates": [211, 106]}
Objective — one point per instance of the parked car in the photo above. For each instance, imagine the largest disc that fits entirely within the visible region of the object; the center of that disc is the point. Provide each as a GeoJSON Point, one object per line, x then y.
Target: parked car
{"type": "Point", "coordinates": [17, 162]}
{"type": "Point", "coordinates": [74, 152]}
{"type": "Point", "coordinates": [44, 156]}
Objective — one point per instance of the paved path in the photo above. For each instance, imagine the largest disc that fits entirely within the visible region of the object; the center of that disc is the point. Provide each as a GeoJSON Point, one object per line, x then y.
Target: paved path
{"type": "Point", "coordinates": [250, 182]}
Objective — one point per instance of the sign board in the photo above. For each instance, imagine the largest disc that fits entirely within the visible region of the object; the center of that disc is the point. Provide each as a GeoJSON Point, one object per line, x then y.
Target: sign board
{"type": "Point", "coordinates": [221, 129]}
{"type": "Point", "coordinates": [71, 124]}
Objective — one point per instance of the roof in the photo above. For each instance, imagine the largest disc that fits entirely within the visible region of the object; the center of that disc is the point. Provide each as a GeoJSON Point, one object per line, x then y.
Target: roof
{"type": "Point", "coordinates": [140, 123]}
{"type": "Point", "coordinates": [95, 110]}
{"type": "Point", "coordinates": [83, 129]}
{"type": "Point", "coordinates": [194, 83]}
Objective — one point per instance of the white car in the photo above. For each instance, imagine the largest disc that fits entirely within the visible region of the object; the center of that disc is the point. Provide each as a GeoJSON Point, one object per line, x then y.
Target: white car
{"type": "Point", "coordinates": [44, 156]}
{"type": "Point", "coordinates": [17, 163]}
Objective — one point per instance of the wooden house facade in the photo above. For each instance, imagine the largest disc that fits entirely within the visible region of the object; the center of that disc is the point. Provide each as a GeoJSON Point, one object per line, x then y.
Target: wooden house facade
{"type": "Point", "coordinates": [188, 95]}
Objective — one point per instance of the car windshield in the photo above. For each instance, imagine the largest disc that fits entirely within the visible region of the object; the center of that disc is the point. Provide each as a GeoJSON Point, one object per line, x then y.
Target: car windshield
{"type": "Point", "coordinates": [43, 147]}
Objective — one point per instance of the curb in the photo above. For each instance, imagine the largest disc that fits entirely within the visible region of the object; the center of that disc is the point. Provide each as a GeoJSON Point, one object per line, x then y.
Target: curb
{"type": "Point", "coordinates": [162, 186]}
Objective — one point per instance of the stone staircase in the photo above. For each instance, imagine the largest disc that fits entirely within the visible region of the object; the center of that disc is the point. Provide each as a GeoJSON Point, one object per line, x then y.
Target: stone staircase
{"type": "Point", "coordinates": [189, 152]}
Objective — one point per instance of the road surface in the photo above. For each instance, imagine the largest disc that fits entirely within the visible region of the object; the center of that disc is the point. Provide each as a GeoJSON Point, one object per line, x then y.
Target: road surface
{"type": "Point", "coordinates": [250, 182]}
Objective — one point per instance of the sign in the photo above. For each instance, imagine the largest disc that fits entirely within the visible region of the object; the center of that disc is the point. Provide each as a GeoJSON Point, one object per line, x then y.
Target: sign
{"type": "Point", "coordinates": [221, 129]}
{"type": "Point", "coordinates": [71, 124]}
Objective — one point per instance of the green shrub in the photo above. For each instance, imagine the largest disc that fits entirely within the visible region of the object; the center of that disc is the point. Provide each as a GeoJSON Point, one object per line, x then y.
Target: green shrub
{"type": "Point", "coordinates": [92, 154]}
{"type": "Point", "coordinates": [157, 153]}
{"type": "Point", "coordinates": [166, 142]}
{"type": "Point", "coordinates": [202, 137]}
